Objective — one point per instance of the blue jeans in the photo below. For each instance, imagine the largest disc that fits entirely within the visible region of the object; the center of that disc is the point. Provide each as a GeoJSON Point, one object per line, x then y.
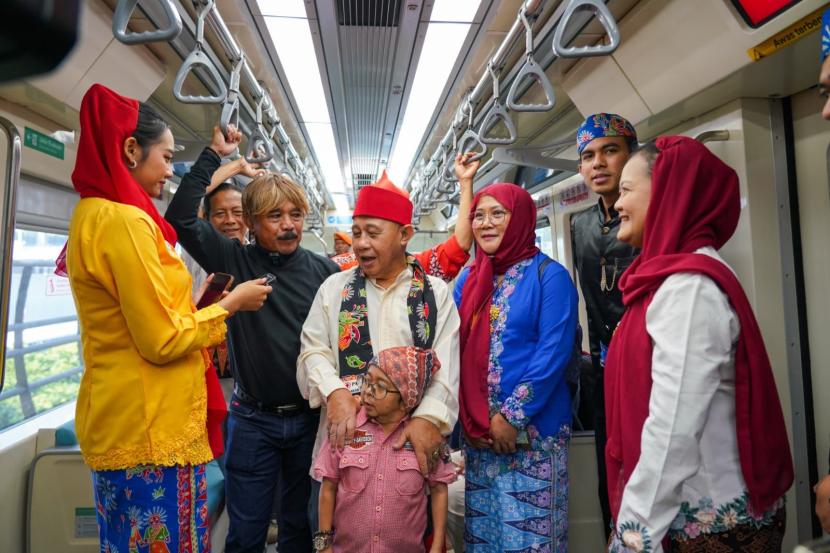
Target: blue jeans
{"type": "Point", "coordinates": [264, 450]}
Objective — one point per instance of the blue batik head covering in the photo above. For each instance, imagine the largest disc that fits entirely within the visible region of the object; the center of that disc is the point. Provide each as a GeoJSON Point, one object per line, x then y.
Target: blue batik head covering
{"type": "Point", "coordinates": [604, 124]}
{"type": "Point", "coordinates": [825, 35]}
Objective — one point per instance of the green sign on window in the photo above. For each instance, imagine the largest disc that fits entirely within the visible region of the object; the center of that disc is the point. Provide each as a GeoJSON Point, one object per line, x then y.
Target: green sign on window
{"type": "Point", "coordinates": [43, 143]}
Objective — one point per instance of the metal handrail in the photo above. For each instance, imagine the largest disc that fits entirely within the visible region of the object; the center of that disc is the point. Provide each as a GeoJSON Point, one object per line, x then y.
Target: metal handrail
{"type": "Point", "coordinates": [7, 243]}
{"type": "Point", "coordinates": [234, 53]}
{"type": "Point", "coordinates": [498, 60]}
{"type": "Point", "coordinates": [23, 387]}
{"type": "Point", "coordinates": [121, 18]}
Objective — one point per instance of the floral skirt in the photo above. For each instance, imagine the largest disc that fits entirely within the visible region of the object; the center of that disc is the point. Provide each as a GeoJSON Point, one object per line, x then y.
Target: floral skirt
{"type": "Point", "coordinates": [766, 538]}
{"type": "Point", "coordinates": [151, 509]}
{"type": "Point", "coordinates": [516, 502]}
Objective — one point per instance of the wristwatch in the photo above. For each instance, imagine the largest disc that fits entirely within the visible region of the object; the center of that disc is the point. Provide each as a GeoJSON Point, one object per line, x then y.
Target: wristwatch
{"type": "Point", "coordinates": [323, 539]}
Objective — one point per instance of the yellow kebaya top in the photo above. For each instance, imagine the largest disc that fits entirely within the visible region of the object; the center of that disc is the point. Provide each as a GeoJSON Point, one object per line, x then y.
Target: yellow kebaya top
{"type": "Point", "coordinates": [143, 397]}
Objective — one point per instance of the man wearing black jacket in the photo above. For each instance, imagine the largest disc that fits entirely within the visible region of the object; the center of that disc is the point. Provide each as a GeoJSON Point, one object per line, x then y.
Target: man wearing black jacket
{"type": "Point", "coordinates": [271, 428]}
{"type": "Point", "coordinates": [604, 142]}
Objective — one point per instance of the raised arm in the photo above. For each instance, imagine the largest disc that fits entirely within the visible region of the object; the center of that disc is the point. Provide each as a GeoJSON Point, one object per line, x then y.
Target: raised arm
{"type": "Point", "coordinates": [466, 171]}
{"type": "Point", "coordinates": [196, 235]}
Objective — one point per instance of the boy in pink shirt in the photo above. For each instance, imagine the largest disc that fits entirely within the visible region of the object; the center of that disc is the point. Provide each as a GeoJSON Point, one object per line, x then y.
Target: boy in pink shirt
{"type": "Point", "coordinates": [373, 498]}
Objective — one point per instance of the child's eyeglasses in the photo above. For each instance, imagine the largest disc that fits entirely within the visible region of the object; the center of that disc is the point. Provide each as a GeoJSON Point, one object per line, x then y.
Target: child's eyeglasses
{"type": "Point", "coordinates": [377, 390]}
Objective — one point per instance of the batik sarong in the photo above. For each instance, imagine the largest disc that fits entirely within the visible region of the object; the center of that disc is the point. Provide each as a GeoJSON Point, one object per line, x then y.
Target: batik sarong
{"type": "Point", "coordinates": [517, 502]}
{"type": "Point", "coordinates": [151, 509]}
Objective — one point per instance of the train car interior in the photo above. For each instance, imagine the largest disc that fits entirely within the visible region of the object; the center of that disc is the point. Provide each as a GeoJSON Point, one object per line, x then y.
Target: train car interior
{"type": "Point", "coordinates": [334, 92]}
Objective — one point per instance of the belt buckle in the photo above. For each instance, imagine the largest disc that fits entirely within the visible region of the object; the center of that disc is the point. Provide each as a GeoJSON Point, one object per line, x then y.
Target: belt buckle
{"type": "Point", "coordinates": [287, 409]}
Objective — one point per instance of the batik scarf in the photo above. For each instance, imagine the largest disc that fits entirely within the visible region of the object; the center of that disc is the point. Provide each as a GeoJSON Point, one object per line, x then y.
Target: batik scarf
{"type": "Point", "coordinates": [354, 343]}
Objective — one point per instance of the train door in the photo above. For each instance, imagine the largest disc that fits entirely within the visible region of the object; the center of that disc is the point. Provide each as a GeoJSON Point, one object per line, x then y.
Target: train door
{"type": "Point", "coordinates": [811, 136]}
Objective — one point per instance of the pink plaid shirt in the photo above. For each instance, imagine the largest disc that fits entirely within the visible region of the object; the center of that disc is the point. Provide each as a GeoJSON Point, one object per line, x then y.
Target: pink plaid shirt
{"type": "Point", "coordinates": [381, 494]}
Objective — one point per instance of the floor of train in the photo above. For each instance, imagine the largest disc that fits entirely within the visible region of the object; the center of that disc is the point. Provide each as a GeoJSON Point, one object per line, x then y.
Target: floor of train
{"type": "Point", "coordinates": [220, 531]}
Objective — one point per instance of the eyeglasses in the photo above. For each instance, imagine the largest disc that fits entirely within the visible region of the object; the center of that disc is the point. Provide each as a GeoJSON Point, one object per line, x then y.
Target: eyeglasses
{"type": "Point", "coordinates": [497, 217]}
{"type": "Point", "coordinates": [376, 390]}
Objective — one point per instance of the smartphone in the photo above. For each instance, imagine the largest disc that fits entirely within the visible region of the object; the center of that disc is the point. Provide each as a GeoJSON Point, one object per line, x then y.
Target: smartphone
{"type": "Point", "coordinates": [214, 290]}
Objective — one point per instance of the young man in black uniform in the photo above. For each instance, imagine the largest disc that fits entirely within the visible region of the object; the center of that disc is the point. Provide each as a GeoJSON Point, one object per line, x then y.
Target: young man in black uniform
{"type": "Point", "coordinates": [271, 428]}
{"type": "Point", "coordinates": [604, 142]}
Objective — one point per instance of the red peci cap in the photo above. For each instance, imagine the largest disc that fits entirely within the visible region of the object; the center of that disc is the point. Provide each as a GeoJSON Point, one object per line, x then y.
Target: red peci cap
{"type": "Point", "coordinates": [384, 200]}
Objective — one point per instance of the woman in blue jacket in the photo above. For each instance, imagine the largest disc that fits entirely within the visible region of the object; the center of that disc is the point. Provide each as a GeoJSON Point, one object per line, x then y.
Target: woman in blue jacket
{"type": "Point", "coordinates": [518, 319]}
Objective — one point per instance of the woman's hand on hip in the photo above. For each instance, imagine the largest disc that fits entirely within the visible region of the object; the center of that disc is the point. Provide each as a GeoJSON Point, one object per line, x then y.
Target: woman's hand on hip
{"type": "Point", "coordinates": [504, 434]}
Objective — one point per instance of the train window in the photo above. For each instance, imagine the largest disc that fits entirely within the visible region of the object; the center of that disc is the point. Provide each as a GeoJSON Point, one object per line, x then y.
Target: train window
{"type": "Point", "coordinates": [544, 237]}
{"type": "Point", "coordinates": [43, 355]}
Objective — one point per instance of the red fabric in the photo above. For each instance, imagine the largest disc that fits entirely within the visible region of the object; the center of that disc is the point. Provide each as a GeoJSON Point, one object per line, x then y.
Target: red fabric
{"type": "Point", "coordinates": [216, 408]}
{"type": "Point", "coordinates": [444, 260]}
{"type": "Point", "coordinates": [411, 370]}
{"type": "Point", "coordinates": [384, 200]}
{"type": "Point", "coordinates": [518, 243]}
{"type": "Point", "coordinates": [107, 120]}
{"type": "Point", "coordinates": [695, 202]}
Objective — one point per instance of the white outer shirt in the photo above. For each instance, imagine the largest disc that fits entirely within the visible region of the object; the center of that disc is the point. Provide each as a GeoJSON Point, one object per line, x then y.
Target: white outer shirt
{"type": "Point", "coordinates": [318, 364]}
{"type": "Point", "coordinates": [689, 444]}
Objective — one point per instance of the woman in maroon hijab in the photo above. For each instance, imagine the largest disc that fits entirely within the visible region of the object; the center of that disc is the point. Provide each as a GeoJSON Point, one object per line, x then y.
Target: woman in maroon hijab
{"type": "Point", "coordinates": [518, 320]}
{"type": "Point", "coordinates": [698, 457]}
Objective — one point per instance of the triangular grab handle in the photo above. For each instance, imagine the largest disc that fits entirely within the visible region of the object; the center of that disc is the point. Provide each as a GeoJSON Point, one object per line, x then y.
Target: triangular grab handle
{"type": "Point", "coordinates": [448, 170]}
{"type": "Point", "coordinates": [471, 138]}
{"type": "Point", "coordinates": [121, 18]}
{"type": "Point", "coordinates": [447, 188]}
{"type": "Point", "coordinates": [605, 18]}
{"type": "Point", "coordinates": [534, 71]}
{"type": "Point", "coordinates": [496, 113]}
{"type": "Point", "coordinates": [253, 154]}
{"type": "Point", "coordinates": [197, 58]}
{"type": "Point", "coordinates": [230, 115]}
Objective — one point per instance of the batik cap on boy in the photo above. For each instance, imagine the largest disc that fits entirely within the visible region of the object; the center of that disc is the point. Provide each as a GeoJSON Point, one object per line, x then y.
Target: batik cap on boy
{"type": "Point", "coordinates": [410, 369]}
{"type": "Point", "coordinates": [599, 125]}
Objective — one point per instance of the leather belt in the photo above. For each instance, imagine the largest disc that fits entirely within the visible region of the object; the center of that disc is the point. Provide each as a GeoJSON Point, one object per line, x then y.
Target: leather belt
{"type": "Point", "coordinates": [282, 410]}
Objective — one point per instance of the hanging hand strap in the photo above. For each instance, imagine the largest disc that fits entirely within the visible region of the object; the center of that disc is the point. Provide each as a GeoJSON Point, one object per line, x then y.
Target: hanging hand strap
{"type": "Point", "coordinates": [230, 109]}
{"type": "Point", "coordinates": [497, 113]}
{"type": "Point", "coordinates": [198, 58]}
{"type": "Point", "coordinates": [530, 70]}
{"type": "Point", "coordinates": [259, 138]}
{"type": "Point", "coordinates": [124, 9]}
{"type": "Point", "coordinates": [605, 18]}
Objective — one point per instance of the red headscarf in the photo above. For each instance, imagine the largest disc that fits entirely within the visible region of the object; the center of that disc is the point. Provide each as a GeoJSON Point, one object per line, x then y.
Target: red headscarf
{"type": "Point", "coordinates": [517, 244]}
{"type": "Point", "coordinates": [695, 202]}
{"type": "Point", "coordinates": [107, 120]}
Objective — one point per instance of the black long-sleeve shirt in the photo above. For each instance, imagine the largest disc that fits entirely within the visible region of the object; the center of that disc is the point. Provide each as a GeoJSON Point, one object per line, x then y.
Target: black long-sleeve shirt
{"type": "Point", "coordinates": [266, 342]}
{"type": "Point", "coordinates": [596, 252]}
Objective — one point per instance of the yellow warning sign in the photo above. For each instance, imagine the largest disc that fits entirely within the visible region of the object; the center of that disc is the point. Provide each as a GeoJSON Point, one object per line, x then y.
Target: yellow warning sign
{"type": "Point", "coordinates": [798, 30]}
